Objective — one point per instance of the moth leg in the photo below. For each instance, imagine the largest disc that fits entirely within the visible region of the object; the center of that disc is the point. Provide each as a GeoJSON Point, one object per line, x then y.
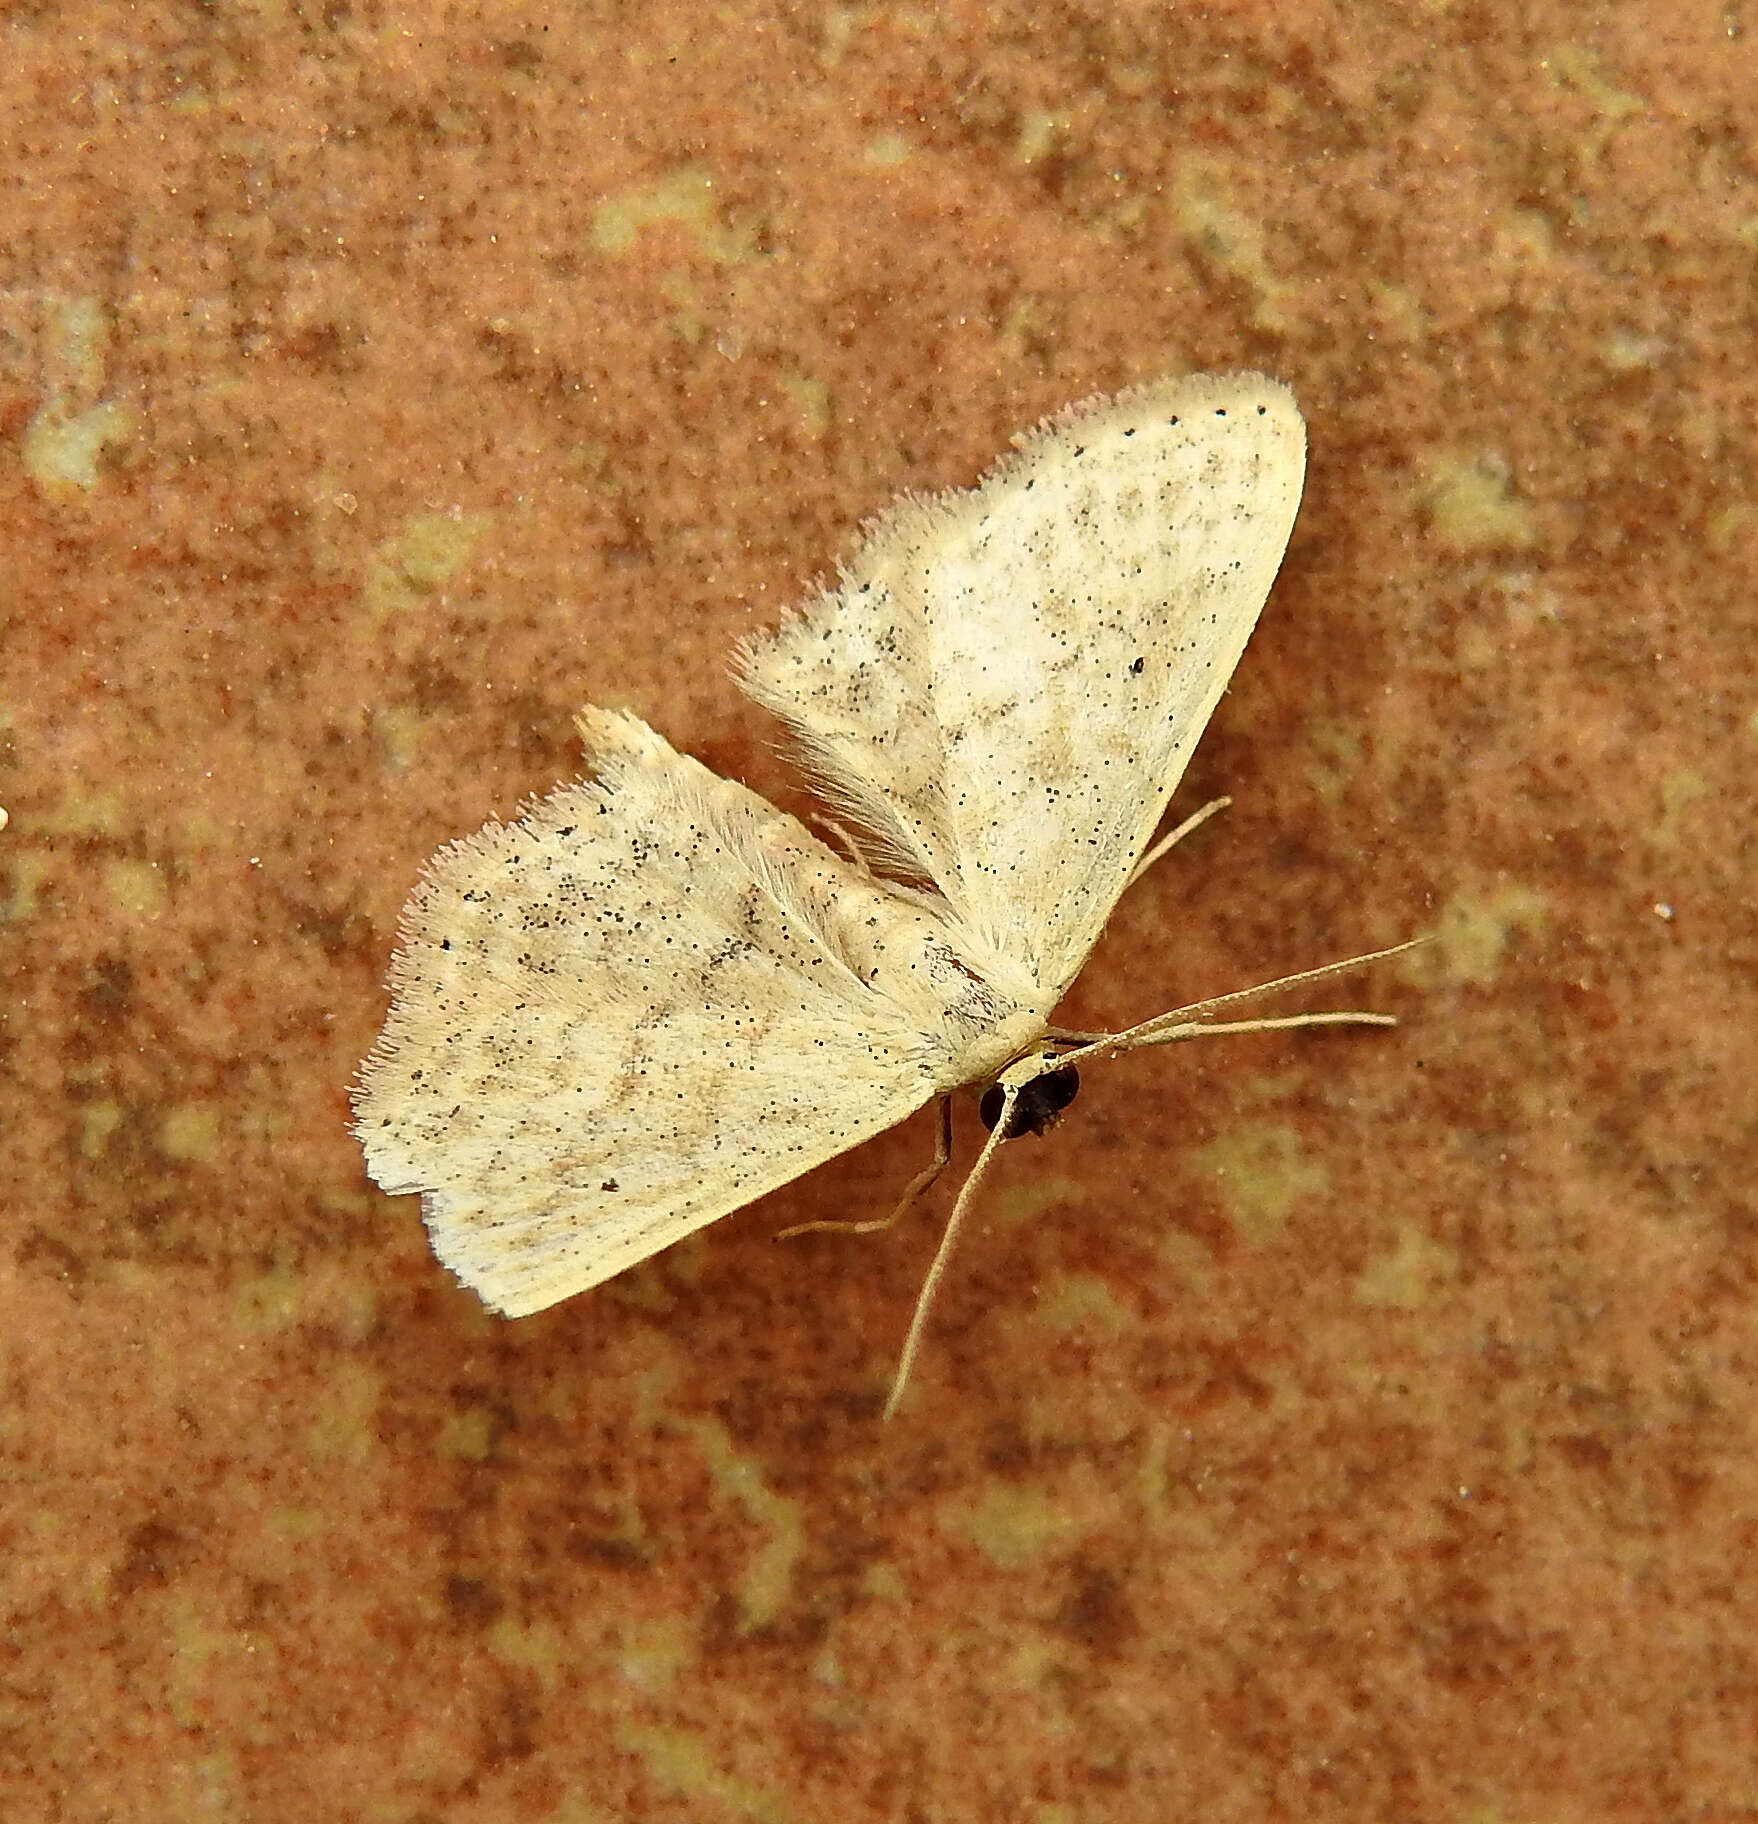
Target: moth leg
{"type": "Point", "coordinates": [915, 1189]}
{"type": "Point", "coordinates": [851, 848]}
{"type": "Point", "coordinates": [1194, 821]}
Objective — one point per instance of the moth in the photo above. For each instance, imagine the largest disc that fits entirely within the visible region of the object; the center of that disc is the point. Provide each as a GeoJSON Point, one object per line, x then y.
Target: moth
{"type": "Point", "coordinates": [654, 997]}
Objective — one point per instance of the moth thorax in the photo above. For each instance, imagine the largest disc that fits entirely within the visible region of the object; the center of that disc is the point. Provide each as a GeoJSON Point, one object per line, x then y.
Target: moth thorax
{"type": "Point", "coordinates": [1038, 1106]}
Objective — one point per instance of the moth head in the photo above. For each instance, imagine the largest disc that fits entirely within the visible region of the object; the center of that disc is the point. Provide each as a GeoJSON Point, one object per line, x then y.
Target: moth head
{"type": "Point", "coordinates": [1042, 1088]}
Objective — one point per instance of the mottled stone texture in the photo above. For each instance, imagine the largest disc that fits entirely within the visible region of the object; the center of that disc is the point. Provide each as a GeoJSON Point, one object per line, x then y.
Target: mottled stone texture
{"type": "Point", "coordinates": [1352, 1427]}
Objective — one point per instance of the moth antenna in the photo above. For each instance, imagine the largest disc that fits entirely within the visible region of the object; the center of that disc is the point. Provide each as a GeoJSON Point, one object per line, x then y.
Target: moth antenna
{"type": "Point", "coordinates": [1137, 1039]}
{"type": "Point", "coordinates": [1187, 1022]}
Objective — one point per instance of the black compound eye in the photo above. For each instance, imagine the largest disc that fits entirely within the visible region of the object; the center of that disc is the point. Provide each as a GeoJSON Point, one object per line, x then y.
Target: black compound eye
{"type": "Point", "coordinates": [1038, 1106]}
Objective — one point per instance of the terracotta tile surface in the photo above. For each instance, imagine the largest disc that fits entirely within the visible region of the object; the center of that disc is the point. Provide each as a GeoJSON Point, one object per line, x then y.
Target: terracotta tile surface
{"type": "Point", "coordinates": [1351, 1427]}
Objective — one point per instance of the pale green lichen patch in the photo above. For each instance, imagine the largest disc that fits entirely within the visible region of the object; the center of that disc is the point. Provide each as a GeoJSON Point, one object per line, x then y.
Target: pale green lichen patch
{"type": "Point", "coordinates": [533, 1646]}
{"type": "Point", "coordinates": [346, 1428]}
{"type": "Point", "coordinates": [1399, 314]}
{"type": "Point", "coordinates": [398, 732]}
{"type": "Point", "coordinates": [1628, 351]}
{"type": "Point", "coordinates": [680, 1762]}
{"type": "Point", "coordinates": [811, 399]}
{"type": "Point", "coordinates": [1470, 505]}
{"type": "Point", "coordinates": [97, 1122]}
{"type": "Point", "coordinates": [1024, 1203]}
{"type": "Point", "coordinates": [1731, 527]}
{"type": "Point", "coordinates": [469, 1434]}
{"type": "Point", "coordinates": [1261, 1173]}
{"type": "Point", "coordinates": [419, 559]}
{"type": "Point", "coordinates": [83, 813]}
{"type": "Point", "coordinates": [26, 873]}
{"type": "Point", "coordinates": [73, 426]}
{"type": "Point", "coordinates": [269, 1301]}
{"type": "Point", "coordinates": [63, 449]}
{"type": "Point", "coordinates": [884, 1583]}
{"type": "Point", "coordinates": [300, 1525]}
{"type": "Point", "coordinates": [1405, 1277]}
{"type": "Point", "coordinates": [1474, 936]}
{"type": "Point", "coordinates": [1082, 1301]}
{"type": "Point", "coordinates": [137, 888]}
{"type": "Point", "coordinates": [1338, 748]}
{"type": "Point", "coordinates": [1016, 1528]}
{"type": "Point", "coordinates": [885, 151]}
{"type": "Point", "coordinates": [653, 1652]}
{"type": "Point", "coordinates": [1042, 131]}
{"type": "Point", "coordinates": [1679, 790]}
{"type": "Point", "coordinates": [189, 1132]}
{"type": "Point", "coordinates": [767, 1583]}
{"type": "Point", "coordinates": [1230, 241]}
{"type": "Point", "coordinates": [686, 197]}
{"type": "Point", "coordinates": [1583, 69]}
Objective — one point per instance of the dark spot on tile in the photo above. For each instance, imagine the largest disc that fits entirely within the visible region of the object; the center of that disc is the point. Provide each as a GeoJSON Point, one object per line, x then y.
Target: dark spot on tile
{"type": "Point", "coordinates": [153, 1554]}
{"type": "Point", "coordinates": [508, 1730]}
{"type": "Point", "coordinates": [471, 1602]}
{"type": "Point", "coordinates": [39, 1248]}
{"type": "Point", "coordinates": [108, 993]}
{"type": "Point", "coordinates": [1096, 1612]}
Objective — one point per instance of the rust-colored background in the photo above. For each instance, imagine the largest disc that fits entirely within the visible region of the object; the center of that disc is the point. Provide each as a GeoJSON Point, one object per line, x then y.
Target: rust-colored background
{"type": "Point", "coordinates": [1346, 1427]}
